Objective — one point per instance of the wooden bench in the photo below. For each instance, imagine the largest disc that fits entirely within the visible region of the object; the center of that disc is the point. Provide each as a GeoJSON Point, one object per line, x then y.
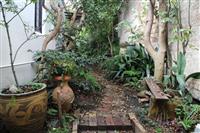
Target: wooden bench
{"type": "Point", "coordinates": [159, 108]}
{"type": "Point", "coordinates": [107, 123]}
{"type": "Point", "coordinates": [156, 90]}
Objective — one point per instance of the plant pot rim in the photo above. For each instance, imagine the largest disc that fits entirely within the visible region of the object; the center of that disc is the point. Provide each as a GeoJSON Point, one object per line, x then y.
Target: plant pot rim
{"type": "Point", "coordinates": [60, 78]}
{"type": "Point", "coordinates": [27, 93]}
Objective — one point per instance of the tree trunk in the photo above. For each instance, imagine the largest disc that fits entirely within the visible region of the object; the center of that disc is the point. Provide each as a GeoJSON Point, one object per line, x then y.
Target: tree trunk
{"type": "Point", "coordinates": [162, 40]}
{"type": "Point", "coordinates": [159, 66]}
{"type": "Point", "coordinates": [157, 56]}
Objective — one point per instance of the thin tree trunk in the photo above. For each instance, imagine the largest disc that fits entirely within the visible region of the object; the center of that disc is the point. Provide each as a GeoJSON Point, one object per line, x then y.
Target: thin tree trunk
{"type": "Point", "coordinates": [111, 47]}
{"type": "Point", "coordinates": [10, 44]}
{"type": "Point", "coordinates": [162, 41]}
{"type": "Point", "coordinates": [157, 56]}
{"type": "Point", "coordinates": [159, 67]}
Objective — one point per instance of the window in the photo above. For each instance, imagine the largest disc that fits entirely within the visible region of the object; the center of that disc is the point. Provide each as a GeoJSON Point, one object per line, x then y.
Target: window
{"type": "Point", "coordinates": [38, 15]}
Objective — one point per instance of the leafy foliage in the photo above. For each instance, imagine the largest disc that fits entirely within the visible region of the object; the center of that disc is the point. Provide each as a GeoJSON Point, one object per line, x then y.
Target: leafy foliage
{"type": "Point", "coordinates": [66, 120]}
{"type": "Point", "coordinates": [130, 67]}
{"type": "Point", "coordinates": [177, 79]}
{"type": "Point", "coordinates": [101, 16]}
{"type": "Point", "coordinates": [85, 82]}
{"type": "Point", "coordinates": [53, 63]}
{"type": "Point", "coordinates": [188, 115]}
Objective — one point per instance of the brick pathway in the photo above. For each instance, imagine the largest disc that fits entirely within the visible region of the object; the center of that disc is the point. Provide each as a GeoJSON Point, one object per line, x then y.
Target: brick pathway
{"type": "Point", "coordinates": [110, 115]}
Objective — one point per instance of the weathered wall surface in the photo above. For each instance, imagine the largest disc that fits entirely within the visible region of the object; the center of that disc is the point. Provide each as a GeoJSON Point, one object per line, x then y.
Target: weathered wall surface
{"type": "Point", "coordinates": [193, 49]}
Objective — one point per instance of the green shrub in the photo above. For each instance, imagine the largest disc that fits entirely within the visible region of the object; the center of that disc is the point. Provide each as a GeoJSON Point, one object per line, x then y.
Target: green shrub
{"type": "Point", "coordinates": [130, 67]}
{"type": "Point", "coordinates": [188, 115]}
{"type": "Point", "coordinates": [54, 62]}
{"type": "Point", "coordinates": [85, 82]}
{"type": "Point", "coordinates": [177, 79]}
{"type": "Point", "coordinates": [66, 120]}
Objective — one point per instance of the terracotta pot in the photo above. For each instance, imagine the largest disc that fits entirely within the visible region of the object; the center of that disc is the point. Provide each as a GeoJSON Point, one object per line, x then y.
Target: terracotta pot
{"type": "Point", "coordinates": [22, 113]}
{"type": "Point", "coordinates": [63, 93]}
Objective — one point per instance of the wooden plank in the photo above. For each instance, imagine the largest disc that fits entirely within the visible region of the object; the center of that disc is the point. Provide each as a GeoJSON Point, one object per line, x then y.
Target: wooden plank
{"type": "Point", "coordinates": [75, 126]}
{"type": "Point", "coordinates": [138, 127]}
{"type": "Point", "coordinates": [105, 127]}
{"type": "Point", "coordinates": [109, 120]}
{"type": "Point", "coordinates": [91, 132]}
{"type": "Point", "coordinates": [126, 121]}
{"type": "Point", "coordinates": [101, 131]}
{"type": "Point", "coordinates": [114, 131]}
{"type": "Point", "coordinates": [155, 89]}
{"type": "Point", "coordinates": [117, 121]}
{"type": "Point", "coordinates": [98, 123]}
{"type": "Point", "coordinates": [92, 119]}
{"type": "Point", "coordinates": [85, 120]}
{"type": "Point", "coordinates": [83, 131]}
{"type": "Point", "coordinates": [101, 120]}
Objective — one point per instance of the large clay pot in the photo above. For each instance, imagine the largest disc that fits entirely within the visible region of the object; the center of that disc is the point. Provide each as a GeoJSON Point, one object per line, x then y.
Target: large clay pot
{"type": "Point", "coordinates": [63, 93]}
{"type": "Point", "coordinates": [24, 113]}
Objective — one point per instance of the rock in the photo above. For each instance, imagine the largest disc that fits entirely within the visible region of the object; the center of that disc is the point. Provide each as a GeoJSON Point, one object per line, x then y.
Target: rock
{"type": "Point", "coordinates": [197, 129]}
{"type": "Point", "coordinates": [13, 89]}
{"type": "Point", "coordinates": [193, 86]}
{"type": "Point", "coordinates": [143, 94]}
{"type": "Point", "coordinates": [148, 93]}
{"type": "Point", "coordinates": [142, 100]}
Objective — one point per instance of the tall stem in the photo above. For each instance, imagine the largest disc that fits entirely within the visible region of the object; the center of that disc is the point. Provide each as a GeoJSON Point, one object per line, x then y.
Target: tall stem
{"type": "Point", "coordinates": [10, 44]}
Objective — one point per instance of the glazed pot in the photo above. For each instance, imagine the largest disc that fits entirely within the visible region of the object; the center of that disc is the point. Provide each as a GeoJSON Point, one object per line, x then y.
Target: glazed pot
{"type": "Point", "coordinates": [63, 94]}
{"type": "Point", "coordinates": [24, 113]}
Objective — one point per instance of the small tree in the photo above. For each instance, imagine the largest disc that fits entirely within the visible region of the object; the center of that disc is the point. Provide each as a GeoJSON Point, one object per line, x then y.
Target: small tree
{"type": "Point", "coordinates": [158, 56]}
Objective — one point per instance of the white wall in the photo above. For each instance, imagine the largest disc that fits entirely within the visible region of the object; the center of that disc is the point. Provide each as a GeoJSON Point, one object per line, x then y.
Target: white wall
{"type": "Point", "coordinates": [24, 69]}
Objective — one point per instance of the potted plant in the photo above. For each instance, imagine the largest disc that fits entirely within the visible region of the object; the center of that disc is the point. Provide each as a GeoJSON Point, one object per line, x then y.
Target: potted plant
{"type": "Point", "coordinates": [59, 67]}
{"type": "Point", "coordinates": [22, 107]}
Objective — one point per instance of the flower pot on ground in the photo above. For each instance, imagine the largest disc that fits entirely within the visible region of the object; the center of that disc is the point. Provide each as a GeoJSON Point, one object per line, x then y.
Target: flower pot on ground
{"type": "Point", "coordinates": [63, 94]}
{"type": "Point", "coordinates": [24, 112]}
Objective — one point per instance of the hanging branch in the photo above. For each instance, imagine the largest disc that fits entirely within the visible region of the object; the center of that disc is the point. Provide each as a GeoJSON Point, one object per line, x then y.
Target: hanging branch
{"type": "Point", "coordinates": [82, 20]}
{"type": "Point", "coordinates": [110, 43]}
{"type": "Point", "coordinates": [74, 16]}
{"type": "Point", "coordinates": [27, 4]}
{"type": "Point", "coordinates": [24, 25]}
{"type": "Point", "coordinates": [52, 34]}
{"type": "Point", "coordinates": [23, 43]}
{"type": "Point", "coordinates": [10, 44]}
{"type": "Point", "coordinates": [47, 9]}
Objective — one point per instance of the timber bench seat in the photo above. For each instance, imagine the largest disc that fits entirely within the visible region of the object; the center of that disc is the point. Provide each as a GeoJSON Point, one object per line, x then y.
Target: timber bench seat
{"type": "Point", "coordinates": [159, 107]}
{"type": "Point", "coordinates": [156, 90]}
{"type": "Point", "coordinates": [105, 123]}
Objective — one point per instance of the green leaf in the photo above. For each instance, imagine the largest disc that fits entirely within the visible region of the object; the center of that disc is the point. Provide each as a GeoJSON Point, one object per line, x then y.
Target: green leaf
{"type": "Point", "coordinates": [166, 79]}
{"type": "Point", "coordinates": [195, 75]}
{"type": "Point", "coordinates": [181, 63]}
{"type": "Point", "coordinates": [181, 82]}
